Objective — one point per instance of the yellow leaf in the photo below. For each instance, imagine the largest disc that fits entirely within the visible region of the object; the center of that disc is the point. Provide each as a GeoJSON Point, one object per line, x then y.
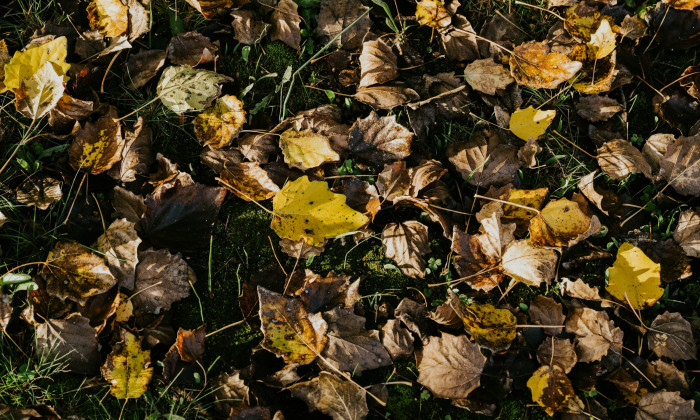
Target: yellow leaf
{"type": "Point", "coordinates": [125, 310]}
{"type": "Point", "coordinates": [23, 65]}
{"type": "Point", "coordinates": [602, 42]}
{"type": "Point", "coordinates": [4, 59]}
{"type": "Point", "coordinates": [529, 198]}
{"type": "Point", "coordinates": [636, 277]}
{"type": "Point", "coordinates": [560, 222]}
{"type": "Point", "coordinates": [433, 13]}
{"type": "Point", "coordinates": [309, 211]}
{"type": "Point", "coordinates": [535, 65]}
{"type": "Point", "coordinates": [40, 93]}
{"type": "Point", "coordinates": [581, 20]}
{"type": "Point", "coordinates": [128, 370]}
{"type": "Point", "coordinates": [491, 327]}
{"type": "Point", "coordinates": [110, 17]}
{"type": "Point", "coordinates": [217, 126]}
{"type": "Point", "coordinates": [550, 388]}
{"type": "Point", "coordinates": [531, 122]}
{"type": "Point", "coordinates": [306, 149]}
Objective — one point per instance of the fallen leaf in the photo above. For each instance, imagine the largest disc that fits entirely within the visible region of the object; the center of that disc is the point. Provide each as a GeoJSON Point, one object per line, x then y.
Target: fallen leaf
{"type": "Point", "coordinates": [139, 19]}
{"type": "Point", "coordinates": [136, 155]}
{"type": "Point", "coordinates": [633, 27]}
{"type": "Point", "coordinates": [110, 17]}
{"type": "Point", "coordinates": [490, 327]}
{"type": "Point", "coordinates": [557, 351]}
{"type": "Point", "coordinates": [597, 108]}
{"type": "Point", "coordinates": [98, 145]}
{"type": "Point", "coordinates": [306, 149]}
{"type": "Point", "coordinates": [127, 369]}
{"type": "Point", "coordinates": [581, 20]}
{"type": "Point", "coordinates": [319, 292]}
{"type": "Point", "coordinates": [161, 280]}
{"type": "Point", "coordinates": [546, 311]}
{"type": "Point", "coordinates": [479, 270]}
{"type": "Point", "coordinates": [182, 88]}
{"type": "Point", "coordinates": [602, 42]}
{"type": "Point", "coordinates": [285, 24]}
{"type": "Point", "coordinates": [248, 181]}
{"type": "Point", "coordinates": [530, 122]}
{"type": "Point", "coordinates": [377, 63]}
{"type": "Point", "coordinates": [231, 394]}
{"type": "Point", "coordinates": [192, 49]}
{"type": "Point", "coordinates": [655, 148]}
{"type": "Point", "coordinates": [597, 76]}
{"type": "Point", "coordinates": [562, 222]}
{"type": "Point", "coordinates": [378, 140]}
{"type": "Point", "coordinates": [339, 399]}
{"type": "Point", "coordinates": [188, 349]}
{"type": "Point", "coordinates": [336, 16]}
{"type": "Point", "coordinates": [397, 340]}
{"type": "Point", "coordinates": [209, 8]}
{"type": "Point", "coordinates": [605, 200]}
{"type": "Point", "coordinates": [40, 192]}
{"type": "Point", "coordinates": [181, 217]}
{"type": "Point", "coordinates": [247, 29]}
{"type": "Point", "coordinates": [458, 41]}
{"type": "Point", "coordinates": [361, 196]}
{"type": "Point", "coordinates": [667, 376]}
{"type": "Point", "coordinates": [534, 65]}
{"type": "Point", "coordinates": [218, 125]}
{"type": "Point", "coordinates": [386, 96]}
{"type": "Point", "coordinates": [487, 76]}
{"type": "Point", "coordinates": [67, 112]}
{"type": "Point", "coordinates": [127, 204]}
{"type": "Point", "coordinates": [596, 334]}
{"type": "Point", "coordinates": [39, 94]}
{"type": "Point", "coordinates": [406, 243]}
{"type": "Point", "coordinates": [71, 341]}
{"type": "Point", "coordinates": [664, 405]}
{"type": "Point", "coordinates": [687, 233]}
{"type": "Point", "coordinates": [24, 64]}
{"type": "Point", "coordinates": [300, 249]}
{"type": "Point", "coordinates": [529, 264]}
{"type": "Point", "coordinates": [619, 158]}
{"type": "Point", "coordinates": [412, 314]}
{"type": "Point", "coordinates": [680, 166]}
{"type": "Point", "coordinates": [433, 13]}
{"type": "Point", "coordinates": [119, 245]}
{"type": "Point", "coordinates": [670, 335]}
{"type": "Point", "coordinates": [484, 161]}
{"type": "Point", "coordinates": [551, 388]}
{"type": "Point", "coordinates": [690, 79]}
{"type": "Point", "coordinates": [450, 366]}
{"type": "Point", "coordinates": [289, 330]}
{"type": "Point", "coordinates": [580, 290]}
{"type": "Point", "coordinates": [74, 272]}
{"type": "Point", "coordinates": [634, 278]}
{"type": "Point", "coordinates": [445, 315]}
{"type": "Point", "coordinates": [4, 59]}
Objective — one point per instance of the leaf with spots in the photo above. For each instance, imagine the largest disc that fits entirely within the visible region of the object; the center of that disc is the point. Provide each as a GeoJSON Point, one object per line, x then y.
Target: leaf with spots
{"type": "Point", "coordinates": [550, 388]}
{"type": "Point", "coordinates": [671, 336]}
{"type": "Point", "coordinates": [335, 397]}
{"type": "Point", "coordinates": [306, 149]}
{"type": "Point", "coordinates": [534, 64]}
{"type": "Point", "coordinates": [217, 126]}
{"type": "Point", "coordinates": [563, 222]}
{"type": "Point", "coordinates": [127, 368]}
{"type": "Point", "coordinates": [183, 88]}
{"type": "Point", "coordinates": [98, 145]}
{"type": "Point", "coordinates": [491, 327]}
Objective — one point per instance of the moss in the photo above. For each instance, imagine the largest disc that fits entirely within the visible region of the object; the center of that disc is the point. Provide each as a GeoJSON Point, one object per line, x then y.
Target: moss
{"type": "Point", "coordinates": [517, 410]}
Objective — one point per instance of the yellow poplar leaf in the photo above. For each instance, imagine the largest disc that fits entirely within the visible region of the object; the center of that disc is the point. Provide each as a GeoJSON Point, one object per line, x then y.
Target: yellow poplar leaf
{"type": "Point", "coordinates": [530, 122]}
{"type": "Point", "coordinates": [602, 42]}
{"type": "Point", "coordinates": [491, 327]}
{"type": "Point", "coordinates": [128, 370]}
{"type": "Point", "coordinates": [635, 277]}
{"type": "Point", "coordinates": [4, 59]}
{"type": "Point", "coordinates": [40, 93]}
{"type": "Point", "coordinates": [23, 65]}
{"type": "Point", "coordinates": [550, 388]}
{"type": "Point", "coordinates": [559, 222]}
{"type": "Point", "coordinates": [530, 198]}
{"type": "Point", "coordinates": [306, 149]}
{"type": "Point", "coordinates": [433, 13]}
{"type": "Point", "coordinates": [309, 211]}
{"type": "Point", "coordinates": [110, 17]}
{"type": "Point", "coordinates": [217, 126]}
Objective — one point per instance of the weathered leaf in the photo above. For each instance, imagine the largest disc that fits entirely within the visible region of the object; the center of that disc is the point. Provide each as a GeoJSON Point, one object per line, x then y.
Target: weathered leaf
{"type": "Point", "coordinates": [127, 369]}
{"type": "Point", "coordinates": [562, 223]}
{"type": "Point", "coordinates": [671, 336]}
{"type": "Point", "coordinates": [289, 330]}
{"type": "Point", "coordinates": [377, 63]}
{"type": "Point", "coordinates": [192, 49]}
{"type": "Point", "coordinates": [24, 64]}
{"type": "Point", "coordinates": [137, 155]}
{"type": "Point", "coordinates": [530, 122]}
{"type": "Point", "coordinates": [4, 59]}
{"type": "Point", "coordinates": [217, 126]}
{"type": "Point", "coordinates": [386, 96]}
{"type": "Point", "coordinates": [209, 8]}
{"type": "Point", "coordinates": [602, 41]}
{"type": "Point", "coordinates": [339, 399]}
{"type": "Point", "coordinates": [306, 149]}
{"type": "Point", "coordinates": [491, 327]}
{"type": "Point", "coordinates": [664, 405]}
{"type": "Point", "coordinates": [605, 200]}
{"type": "Point", "coordinates": [180, 361]}
{"type": "Point", "coordinates": [534, 65]}
{"type": "Point", "coordinates": [182, 88]}
{"type": "Point", "coordinates": [98, 145]}
{"type": "Point", "coordinates": [378, 140]}
{"type": "Point", "coordinates": [433, 13]}
{"type": "Point", "coordinates": [40, 192]}
{"type": "Point", "coordinates": [619, 158]}
{"type": "Point", "coordinates": [484, 161]}
{"type": "Point", "coordinates": [596, 334]}
{"type": "Point", "coordinates": [336, 15]}
{"type": "Point", "coordinates": [680, 166]}
{"type": "Point", "coordinates": [394, 181]}
{"type": "Point", "coordinates": [687, 233]}
{"type": "Point", "coordinates": [319, 292]}
{"type": "Point", "coordinates": [285, 24]}
{"type": "Point", "coordinates": [40, 93]}
{"type": "Point", "coordinates": [550, 388]}
{"type": "Point", "coordinates": [546, 311]}
{"type": "Point", "coordinates": [597, 108]}
{"type": "Point", "coordinates": [110, 17]}
{"type": "Point", "coordinates": [71, 340]}
{"type": "Point", "coordinates": [406, 243]}
{"type": "Point", "coordinates": [119, 245]}
{"type": "Point", "coordinates": [634, 278]}
{"type": "Point", "coordinates": [161, 280]}
{"type": "Point", "coordinates": [396, 339]}
{"type": "Point", "coordinates": [458, 42]}
{"type": "Point", "coordinates": [248, 181]}
{"type": "Point", "coordinates": [487, 76]}
{"type": "Point", "coordinates": [450, 366]}
{"type": "Point", "coordinates": [557, 351]}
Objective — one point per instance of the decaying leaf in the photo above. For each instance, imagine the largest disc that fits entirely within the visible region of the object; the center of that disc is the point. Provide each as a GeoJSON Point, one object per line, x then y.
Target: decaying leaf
{"type": "Point", "coordinates": [386, 96]}
{"type": "Point", "coordinates": [597, 108]}
{"type": "Point", "coordinates": [161, 280]}
{"type": "Point", "coordinates": [458, 42]}
{"type": "Point", "coordinates": [579, 290]}
{"type": "Point", "coordinates": [285, 24]}
{"type": "Point", "coordinates": [397, 340]}
{"type": "Point", "coordinates": [40, 192]}
{"type": "Point", "coordinates": [529, 264]}
{"type": "Point", "coordinates": [664, 405]}
{"type": "Point", "coordinates": [339, 399]}
{"type": "Point", "coordinates": [248, 181]}
{"type": "Point", "coordinates": [209, 8]}
{"type": "Point", "coordinates": [119, 245]}
{"type": "Point", "coordinates": [533, 64]}
{"type": "Point", "coordinates": [217, 126]}
{"type": "Point", "coordinates": [127, 369]}
{"type": "Point", "coordinates": [39, 94]}
{"type": "Point", "coordinates": [487, 76]}
{"type": "Point", "coordinates": [484, 160]}
{"type": "Point", "coordinates": [671, 336]}
{"type": "Point", "coordinates": [433, 13]}
{"type": "Point", "coordinates": [605, 200]}
{"type": "Point", "coordinates": [137, 155]}
{"type": "Point", "coordinates": [450, 366]}
{"type": "Point", "coordinates": [550, 388]}
{"type": "Point", "coordinates": [376, 140]}
{"type": "Point", "coordinates": [680, 166]}
{"type": "Point", "coordinates": [619, 158]}
{"type": "Point", "coordinates": [74, 272]}
{"type": "Point", "coordinates": [24, 64]}
{"type": "Point", "coordinates": [192, 49]}
{"type": "Point", "coordinates": [289, 330]}
{"type": "Point", "coordinates": [143, 66]}
{"type": "Point", "coordinates": [378, 63]}
{"type": "Point", "coordinates": [557, 351]}
{"type": "Point", "coordinates": [71, 340]}
{"type": "Point", "coordinates": [188, 349]}
{"type": "Point", "coordinates": [336, 16]}
{"type": "Point", "coordinates": [602, 41]}
{"type": "Point", "coordinates": [182, 88]}
{"type": "Point", "coordinates": [491, 327]}
{"type": "Point", "coordinates": [562, 223]}
{"type": "Point", "coordinates": [306, 149]}
{"type": "Point", "coordinates": [530, 122]}
{"type": "Point", "coordinates": [596, 334]}
{"type": "Point", "coordinates": [634, 278]}
{"type": "Point", "coordinates": [110, 17]}
{"type": "Point", "coordinates": [98, 145]}
{"type": "Point", "coordinates": [407, 243]}
{"type": "Point", "coordinates": [546, 311]}
{"type": "Point", "coordinates": [687, 233]}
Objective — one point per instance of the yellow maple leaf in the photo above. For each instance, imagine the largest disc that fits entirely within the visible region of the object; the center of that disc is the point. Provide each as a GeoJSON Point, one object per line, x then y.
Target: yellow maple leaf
{"type": "Point", "coordinates": [128, 370]}
{"type": "Point", "coordinates": [308, 211]}
{"type": "Point", "coordinates": [635, 277]}
{"type": "Point", "coordinates": [531, 122]}
{"type": "Point", "coordinates": [24, 64]}
{"type": "Point", "coordinates": [550, 388]}
{"type": "Point", "coordinates": [110, 17]}
{"type": "Point", "coordinates": [306, 149]}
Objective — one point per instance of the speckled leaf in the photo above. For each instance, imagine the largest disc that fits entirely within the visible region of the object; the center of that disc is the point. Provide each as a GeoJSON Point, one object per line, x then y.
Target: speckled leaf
{"type": "Point", "coordinates": [127, 369]}
{"type": "Point", "coordinates": [491, 327]}
{"type": "Point", "coordinates": [182, 88]}
{"type": "Point", "coordinates": [98, 145]}
{"type": "Point", "coordinates": [217, 126]}
{"type": "Point", "coordinates": [550, 388]}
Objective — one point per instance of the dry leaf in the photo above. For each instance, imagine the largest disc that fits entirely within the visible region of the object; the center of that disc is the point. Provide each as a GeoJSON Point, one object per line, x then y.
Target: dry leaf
{"type": "Point", "coordinates": [377, 63]}
{"type": "Point", "coordinates": [433, 13]}
{"type": "Point", "coordinates": [40, 192]}
{"type": "Point", "coordinates": [551, 388]}
{"type": "Point", "coordinates": [680, 166]}
{"type": "Point", "coordinates": [557, 351]}
{"type": "Point", "coordinates": [376, 140]}
{"type": "Point", "coordinates": [458, 42]}
{"type": "Point", "coordinates": [24, 64]}
{"type": "Point", "coordinates": [534, 65]}
{"type": "Point", "coordinates": [336, 16]}
{"type": "Point", "coordinates": [487, 76]}
{"type": "Point", "coordinates": [71, 341]}
{"type": "Point", "coordinates": [40, 93]}
{"type": "Point", "coordinates": [605, 200]}
{"type": "Point", "coordinates": [285, 24]}
{"type": "Point", "coordinates": [530, 122]}
{"type": "Point", "coordinates": [339, 399]}
{"type": "Point", "coordinates": [209, 8]}
{"type": "Point", "coordinates": [687, 233]}
{"type": "Point", "coordinates": [596, 334]}
{"type": "Point", "coordinates": [192, 49]}
{"type": "Point", "coordinates": [110, 17]}
{"type": "Point", "coordinates": [671, 336]}
{"type": "Point", "coordinates": [491, 327]}
{"type": "Point", "coordinates": [386, 96]}
{"type": "Point", "coordinates": [306, 149]}
{"type": "Point", "coordinates": [406, 243]}
{"type": "Point", "coordinates": [300, 249]}
{"type": "Point", "coordinates": [248, 181]}
{"type": "Point", "coordinates": [161, 280]}
{"type": "Point", "coordinates": [247, 29]}
{"type": "Point", "coordinates": [529, 264]}
{"type": "Point", "coordinates": [128, 369]}
{"type": "Point", "coordinates": [119, 245]}
{"type": "Point", "coordinates": [597, 108]}
{"type": "Point", "coordinates": [655, 148]}
{"type": "Point", "coordinates": [546, 311]}
{"type": "Point", "coordinates": [182, 88]}
{"type": "Point", "coordinates": [394, 181]}
{"type": "Point", "coordinates": [619, 158]}
{"type": "Point", "coordinates": [137, 155]}
{"type": "Point", "coordinates": [217, 126]}
{"type": "Point", "coordinates": [579, 290]}
{"type": "Point", "coordinates": [664, 405]}
{"type": "Point", "coordinates": [319, 292]}
{"type": "Point", "coordinates": [98, 145]}
{"type": "Point", "coordinates": [484, 160]}
{"type": "Point", "coordinates": [397, 340]}
{"type": "Point", "coordinates": [602, 41]}
{"type": "Point", "coordinates": [634, 278]}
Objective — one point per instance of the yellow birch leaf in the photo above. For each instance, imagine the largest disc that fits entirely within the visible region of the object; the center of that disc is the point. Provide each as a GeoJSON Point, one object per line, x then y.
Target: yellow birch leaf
{"type": "Point", "coordinates": [217, 126]}
{"type": "Point", "coordinates": [550, 388]}
{"type": "Point", "coordinates": [308, 211]}
{"type": "Point", "coordinates": [433, 13]}
{"type": "Point", "coordinates": [530, 198]}
{"type": "Point", "coordinates": [23, 65]}
{"type": "Point", "coordinates": [306, 149]}
{"type": "Point", "coordinates": [602, 42]}
{"type": "Point", "coordinates": [128, 370]}
{"type": "Point", "coordinates": [491, 327]}
{"type": "Point", "coordinates": [636, 277]}
{"type": "Point", "coordinates": [110, 17]}
{"type": "Point", "coordinates": [531, 122]}
{"type": "Point", "coordinates": [558, 223]}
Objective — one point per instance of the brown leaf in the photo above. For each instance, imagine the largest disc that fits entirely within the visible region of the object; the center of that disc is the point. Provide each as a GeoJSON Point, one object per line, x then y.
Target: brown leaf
{"type": "Point", "coordinates": [597, 108]}
{"type": "Point", "coordinates": [360, 196]}
{"type": "Point", "coordinates": [143, 66]}
{"type": "Point", "coordinates": [40, 192]}
{"type": "Point", "coordinates": [425, 173]}
{"type": "Point", "coordinates": [406, 243]}
{"type": "Point", "coordinates": [655, 148]}
{"type": "Point", "coordinates": [339, 399]}
{"type": "Point", "coordinates": [270, 279]}
{"type": "Point", "coordinates": [479, 270]}
{"type": "Point", "coordinates": [285, 24]}
{"type": "Point", "coordinates": [691, 81]}
{"type": "Point", "coordinates": [318, 291]}
{"type": "Point", "coordinates": [687, 233]}
{"type": "Point", "coordinates": [487, 76]}
{"type": "Point", "coordinates": [378, 63]}
{"type": "Point", "coordinates": [182, 217]}
{"type": "Point", "coordinates": [119, 245]}
{"type": "Point", "coordinates": [664, 405]}
{"type": "Point", "coordinates": [161, 280]}
{"type": "Point", "coordinates": [74, 272]}
{"type": "Point", "coordinates": [192, 49]}
{"type": "Point", "coordinates": [247, 29]}
{"type": "Point", "coordinates": [67, 111]}
{"type": "Point", "coordinates": [300, 249]}
{"type": "Point", "coordinates": [231, 393]}
{"type": "Point", "coordinates": [336, 15]}
{"type": "Point", "coordinates": [529, 264]}
{"type": "Point", "coordinates": [187, 349]}
{"type": "Point", "coordinates": [604, 199]}
{"type": "Point", "coordinates": [546, 311]}
{"type": "Point", "coordinates": [98, 145]}
{"type": "Point", "coordinates": [596, 334]}
{"type": "Point", "coordinates": [557, 351]}
{"type": "Point", "coordinates": [619, 158]}
{"type": "Point", "coordinates": [127, 204]}
{"type": "Point", "coordinates": [5, 311]}
{"type": "Point", "coordinates": [450, 366]}
{"type": "Point", "coordinates": [579, 290]}
{"type": "Point", "coordinates": [676, 28]}
{"type": "Point", "coordinates": [71, 340]}
{"type": "Point", "coordinates": [394, 181]}
{"type": "Point", "coordinates": [258, 147]}
{"type": "Point", "coordinates": [551, 388]}
{"type": "Point", "coordinates": [397, 340]}
{"type": "Point", "coordinates": [248, 181]}
{"type": "Point", "coordinates": [376, 140]}
{"type": "Point", "coordinates": [137, 154]}
{"type": "Point", "coordinates": [672, 336]}
{"type": "Point", "coordinates": [667, 376]}
{"type": "Point", "coordinates": [386, 96]}
{"type": "Point", "coordinates": [458, 41]}
{"type": "Point", "coordinates": [209, 8]}
{"type": "Point", "coordinates": [534, 65]}
{"type": "Point", "coordinates": [446, 316]}
{"type": "Point", "coordinates": [484, 161]}
{"type": "Point", "coordinates": [633, 27]}
{"type": "Point", "coordinates": [680, 166]}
